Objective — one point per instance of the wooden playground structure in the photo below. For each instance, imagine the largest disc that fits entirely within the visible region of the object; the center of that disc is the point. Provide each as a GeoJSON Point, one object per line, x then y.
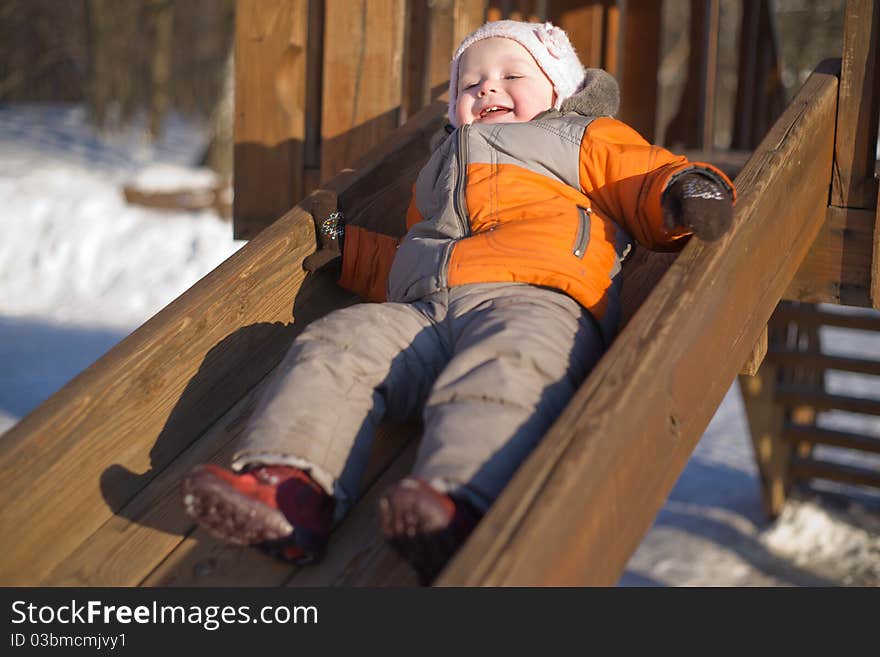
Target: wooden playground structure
{"type": "Point", "coordinates": [90, 479]}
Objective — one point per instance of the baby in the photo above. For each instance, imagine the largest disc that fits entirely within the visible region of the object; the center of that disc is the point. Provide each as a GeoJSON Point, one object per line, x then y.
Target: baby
{"type": "Point", "coordinates": [501, 298]}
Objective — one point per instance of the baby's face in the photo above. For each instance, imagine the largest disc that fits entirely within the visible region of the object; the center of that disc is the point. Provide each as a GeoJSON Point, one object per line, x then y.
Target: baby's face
{"type": "Point", "coordinates": [500, 82]}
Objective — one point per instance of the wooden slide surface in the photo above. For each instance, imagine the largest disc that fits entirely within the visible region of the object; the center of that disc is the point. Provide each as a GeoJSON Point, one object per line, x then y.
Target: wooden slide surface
{"type": "Point", "coordinates": [89, 481]}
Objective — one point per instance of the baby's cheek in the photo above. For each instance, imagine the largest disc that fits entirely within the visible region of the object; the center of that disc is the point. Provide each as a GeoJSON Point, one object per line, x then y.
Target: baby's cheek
{"type": "Point", "coordinates": [463, 114]}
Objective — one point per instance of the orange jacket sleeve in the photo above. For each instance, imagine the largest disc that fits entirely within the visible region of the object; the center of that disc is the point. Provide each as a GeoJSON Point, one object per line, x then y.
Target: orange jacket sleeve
{"type": "Point", "coordinates": [367, 256]}
{"type": "Point", "coordinates": [625, 177]}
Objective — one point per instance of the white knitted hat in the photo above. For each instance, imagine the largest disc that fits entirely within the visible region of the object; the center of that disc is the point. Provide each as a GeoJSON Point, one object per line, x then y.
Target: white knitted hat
{"type": "Point", "coordinates": [548, 44]}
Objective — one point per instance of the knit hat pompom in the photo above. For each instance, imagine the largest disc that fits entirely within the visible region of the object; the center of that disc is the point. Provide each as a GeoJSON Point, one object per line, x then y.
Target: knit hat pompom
{"type": "Point", "coordinates": [548, 44]}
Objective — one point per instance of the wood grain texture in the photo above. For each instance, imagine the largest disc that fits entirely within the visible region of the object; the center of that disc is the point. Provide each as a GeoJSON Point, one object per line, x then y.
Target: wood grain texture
{"type": "Point", "coordinates": [693, 123]}
{"type": "Point", "coordinates": [811, 434]}
{"type": "Point", "coordinates": [132, 543]}
{"type": "Point", "coordinates": [824, 361]}
{"type": "Point", "coordinates": [794, 313]}
{"type": "Point", "coordinates": [760, 94]}
{"type": "Point", "coordinates": [793, 395]}
{"type": "Point", "coordinates": [270, 111]}
{"type": "Point", "coordinates": [98, 441]}
{"type": "Point", "coordinates": [853, 184]}
{"type": "Point", "coordinates": [757, 355]}
{"type": "Point", "coordinates": [202, 560]}
{"type": "Point", "coordinates": [846, 474]}
{"type": "Point", "coordinates": [640, 61]}
{"type": "Point", "coordinates": [766, 421]}
{"type": "Point", "coordinates": [358, 555]}
{"type": "Point", "coordinates": [584, 22]}
{"type": "Point", "coordinates": [611, 458]}
{"type": "Point", "coordinates": [838, 267]}
{"type": "Point", "coordinates": [875, 261]}
{"type": "Point", "coordinates": [363, 75]}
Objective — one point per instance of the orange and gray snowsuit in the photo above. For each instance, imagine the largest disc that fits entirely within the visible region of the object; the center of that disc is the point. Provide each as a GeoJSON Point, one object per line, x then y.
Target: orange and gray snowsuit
{"type": "Point", "coordinates": [501, 297]}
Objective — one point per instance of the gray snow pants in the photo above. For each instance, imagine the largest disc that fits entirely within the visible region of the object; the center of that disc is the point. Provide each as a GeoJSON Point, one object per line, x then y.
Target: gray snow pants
{"type": "Point", "coordinates": [490, 366]}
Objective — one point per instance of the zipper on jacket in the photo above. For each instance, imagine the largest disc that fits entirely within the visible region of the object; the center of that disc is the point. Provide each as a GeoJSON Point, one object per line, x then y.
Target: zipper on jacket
{"type": "Point", "coordinates": [582, 238]}
{"type": "Point", "coordinates": [458, 197]}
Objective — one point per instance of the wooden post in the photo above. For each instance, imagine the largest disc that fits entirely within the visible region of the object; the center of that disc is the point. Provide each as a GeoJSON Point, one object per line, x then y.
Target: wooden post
{"type": "Point", "coordinates": [693, 124]}
{"type": "Point", "coordinates": [875, 261]}
{"type": "Point", "coordinates": [853, 184]}
{"type": "Point", "coordinates": [270, 82]}
{"type": "Point", "coordinates": [314, 86]}
{"type": "Point", "coordinates": [756, 357]}
{"type": "Point", "coordinates": [363, 69]}
{"type": "Point", "coordinates": [584, 21]}
{"type": "Point", "coordinates": [766, 420]}
{"type": "Point", "coordinates": [434, 32]}
{"type": "Point", "coordinates": [760, 96]}
{"type": "Point", "coordinates": [838, 267]}
{"type": "Point", "coordinates": [640, 61]}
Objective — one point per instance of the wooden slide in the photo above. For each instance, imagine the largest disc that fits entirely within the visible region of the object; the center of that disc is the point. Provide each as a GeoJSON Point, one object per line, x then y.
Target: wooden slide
{"type": "Point", "coordinates": [89, 481]}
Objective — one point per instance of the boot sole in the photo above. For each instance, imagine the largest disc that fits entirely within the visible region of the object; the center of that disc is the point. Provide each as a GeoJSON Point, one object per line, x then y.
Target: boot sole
{"type": "Point", "coordinates": [409, 525]}
{"type": "Point", "coordinates": [231, 515]}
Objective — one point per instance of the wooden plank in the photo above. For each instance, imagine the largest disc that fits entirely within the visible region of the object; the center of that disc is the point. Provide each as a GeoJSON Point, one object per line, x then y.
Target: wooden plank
{"type": "Point", "coordinates": [730, 162]}
{"type": "Point", "coordinates": [270, 84]}
{"type": "Point", "coordinates": [796, 395]}
{"type": "Point", "coordinates": [797, 433]}
{"type": "Point", "coordinates": [800, 315]}
{"type": "Point", "coordinates": [314, 85]}
{"type": "Point", "coordinates": [709, 72]}
{"type": "Point", "coordinates": [152, 395]}
{"type": "Point", "coordinates": [440, 47]}
{"type": "Point", "coordinates": [838, 267]}
{"type": "Point", "coordinates": [363, 69]}
{"type": "Point", "coordinates": [760, 95]}
{"type": "Point", "coordinates": [846, 474]}
{"type": "Point", "coordinates": [145, 401]}
{"type": "Point", "coordinates": [202, 560]}
{"type": "Point", "coordinates": [853, 183]}
{"type": "Point", "coordinates": [523, 10]}
{"type": "Point", "coordinates": [358, 555]}
{"type": "Point", "coordinates": [766, 421]}
{"type": "Point", "coordinates": [132, 543]}
{"type": "Point", "coordinates": [875, 262]}
{"type": "Point", "coordinates": [640, 61]}
{"type": "Point", "coordinates": [611, 40]}
{"type": "Point", "coordinates": [822, 361]}
{"type": "Point", "coordinates": [468, 15]}
{"type": "Point", "coordinates": [434, 32]}
{"type": "Point", "coordinates": [579, 506]}
{"type": "Point", "coordinates": [693, 124]}
{"type": "Point", "coordinates": [585, 24]}
{"type": "Point", "coordinates": [756, 357]}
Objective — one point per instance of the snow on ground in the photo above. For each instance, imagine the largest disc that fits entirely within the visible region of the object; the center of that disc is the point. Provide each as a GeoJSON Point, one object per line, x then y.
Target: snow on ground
{"type": "Point", "coordinates": [80, 269]}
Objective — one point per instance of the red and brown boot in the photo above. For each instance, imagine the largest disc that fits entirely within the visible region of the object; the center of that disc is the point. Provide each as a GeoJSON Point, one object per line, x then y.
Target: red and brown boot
{"type": "Point", "coordinates": [277, 508]}
{"type": "Point", "coordinates": [425, 526]}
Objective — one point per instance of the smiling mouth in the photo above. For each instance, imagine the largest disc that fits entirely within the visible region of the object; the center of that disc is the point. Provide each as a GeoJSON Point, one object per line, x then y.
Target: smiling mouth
{"type": "Point", "coordinates": [494, 110]}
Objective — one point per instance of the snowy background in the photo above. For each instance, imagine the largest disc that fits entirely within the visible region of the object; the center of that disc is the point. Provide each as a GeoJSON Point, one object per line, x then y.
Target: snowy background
{"type": "Point", "coordinates": [80, 269]}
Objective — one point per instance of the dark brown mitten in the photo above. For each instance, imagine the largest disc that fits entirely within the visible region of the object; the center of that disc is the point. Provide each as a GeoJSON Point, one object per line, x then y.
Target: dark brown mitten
{"type": "Point", "coordinates": [329, 230]}
{"type": "Point", "coordinates": [699, 201]}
